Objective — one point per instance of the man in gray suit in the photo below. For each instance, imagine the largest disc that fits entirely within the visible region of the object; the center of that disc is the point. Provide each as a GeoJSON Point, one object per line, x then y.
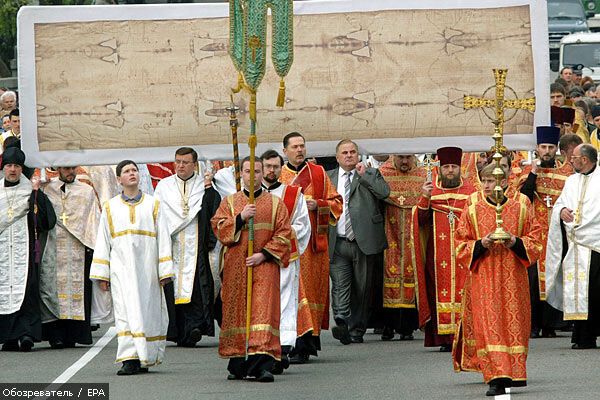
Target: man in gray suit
{"type": "Point", "coordinates": [358, 235]}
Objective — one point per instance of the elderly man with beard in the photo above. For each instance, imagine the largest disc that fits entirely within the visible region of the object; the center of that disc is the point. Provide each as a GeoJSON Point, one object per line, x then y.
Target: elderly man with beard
{"type": "Point", "coordinates": [542, 182]}
{"type": "Point", "coordinates": [440, 277]}
{"type": "Point", "coordinates": [405, 181]}
{"type": "Point", "coordinates": [65, 287]}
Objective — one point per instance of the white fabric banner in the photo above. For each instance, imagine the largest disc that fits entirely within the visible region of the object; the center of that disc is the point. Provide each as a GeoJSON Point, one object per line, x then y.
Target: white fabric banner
{"type": "Point", "coordinates": [104, 83]}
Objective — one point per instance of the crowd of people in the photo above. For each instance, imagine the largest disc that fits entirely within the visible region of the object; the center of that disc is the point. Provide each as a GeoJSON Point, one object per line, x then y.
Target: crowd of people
{"type": "Point", "coordinates": [395, 242]}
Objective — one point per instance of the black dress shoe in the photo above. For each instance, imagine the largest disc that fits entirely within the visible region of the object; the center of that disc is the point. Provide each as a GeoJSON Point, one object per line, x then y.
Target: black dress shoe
{"type": "Point", "coordinates": [409, 336]}
{"type": "Point", "coordinates": [10, 345]}
{"type": "Point", "coordinates": [495, 390]}
{"type": "Point", "coordinates": [26, 343]}
{"type": "Point", "coordinates": [234, 377]}
{"type": "Point", "coordinates": [340, 332]}
{"type": "Point", "coordinates": [94, 327]}
{"type": "Point", "coordinates": [195, 336]}
{"type": "Point", "coordinates": [300, 358]}
{"type": "Point", "coordinates": [357, 339]}
{"type": "Point", "coordinates": [265, 377]}
{"type": "Point", "coordinates": [584, 346]}
{"type": "Point", "coordinates": [130, 367]}
{"type": "Point", "coordinates": [57, 344]}
{"type": "Point", "coordinates": [388, 334]}
{"type": "Point", "coordinates": [446, 348]}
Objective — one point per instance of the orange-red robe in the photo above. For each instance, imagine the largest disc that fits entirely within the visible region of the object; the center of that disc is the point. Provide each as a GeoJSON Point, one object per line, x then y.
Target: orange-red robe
{"type": "Point", "coordinates": [548, 187]}
{"type": "Point", "coordinates": [493, 334]}
{"type": "Point", "coordinates": [399, 267]}
{"type": "Point", "coordinates": [468, 169]}
{"type": "Point", "coordinates": [440, 278]}
{"type": "Point", "coordinates": [313, 292]}
{"type": "Point", "coordinates": [272, 233]}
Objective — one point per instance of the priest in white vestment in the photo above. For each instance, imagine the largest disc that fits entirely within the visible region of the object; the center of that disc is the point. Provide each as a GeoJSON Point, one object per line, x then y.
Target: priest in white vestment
{"type": "Point", "coordinates": [26, 215]}
{"type": "Point", "coordinates": [132, 259]}
{"type": "Point", "coordinates": [188, 206]}
{"type": "Point", "coordinates": [65, 287]}
{"type": "Point", "coordinates": [573, 252]}
{"type": "Point", "coordinates": [289, 277]}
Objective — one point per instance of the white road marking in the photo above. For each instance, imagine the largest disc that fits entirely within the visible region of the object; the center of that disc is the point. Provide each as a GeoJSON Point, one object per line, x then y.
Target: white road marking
{"type": "Point", "coordinates": [87, 357]}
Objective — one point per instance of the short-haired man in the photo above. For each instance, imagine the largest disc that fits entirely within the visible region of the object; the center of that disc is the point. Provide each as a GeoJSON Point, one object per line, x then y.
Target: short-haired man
{"type": "Point", "coordinates": [572, 257]}
{"type": "Point", "coordinates": [294, 201]}
{"type": "Point", "coordinates": [542, 182]}
{"type": "Point", "coordinates": [493, 333]}
{"type": "Point", "coordinates": [357, 238]}
{"type": "Point", "coordinates": [567, 74]}
{"type": "Point", "coordinates": [65, 287]}
{"type": "Point", "coordinates": [557, 95]}
{"type": "Point", "coordinates": [567, 144]}
{"type": "Point", "coordinates": [253, 356]}
{"type": "Point", "coordinates": [325, 207]}
{"type": "Point", "coordinates": [8, 102]}
{"type": "Point", "coordinates": [188, 203]}
{"type": "Point", "coordinates": [132, 259]}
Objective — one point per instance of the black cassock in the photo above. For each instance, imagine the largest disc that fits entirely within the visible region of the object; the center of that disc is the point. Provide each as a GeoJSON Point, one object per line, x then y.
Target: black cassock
{"type": "Point", "coordinates": [199, 313]}
{"type": "Point", "coordinates": [27, 320]}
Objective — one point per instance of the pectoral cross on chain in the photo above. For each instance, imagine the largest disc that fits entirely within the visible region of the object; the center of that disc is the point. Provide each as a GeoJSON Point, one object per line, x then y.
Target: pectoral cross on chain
{"type": "Point", "coordinates": [11, 213]}
{"type": "Point", "coordinates": [452, 217]}
{"type": "Point", "coordinates": [64, 218]}
{"type": "Point", "coordinates": [429, 164]}
{"type": "Point", "coordinates": [548, 201]}
{"type": "Point", "coordinates": [186, 209]}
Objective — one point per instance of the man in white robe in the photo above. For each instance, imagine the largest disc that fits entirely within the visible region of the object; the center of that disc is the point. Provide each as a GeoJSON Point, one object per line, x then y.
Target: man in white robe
{"type": "Point", "coordinates": [26, 215]}
{"type": "Point", "coordinates": [573, 253]}
{"type": "Point", "coordinates": [65, 288]}
{"type": "Point", "coordinates": [289, 277]}
{"type": "Point", "coordinates": [132, 259]}
{"type": "Point", "coordinates": [188, 206]}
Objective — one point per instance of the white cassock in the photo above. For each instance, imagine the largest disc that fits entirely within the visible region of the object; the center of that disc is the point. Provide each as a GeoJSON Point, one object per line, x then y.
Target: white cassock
{"type": "Point", "coordinates": [567, 279]}
{"type": "Point", "coordinates": [289, 277]}
{"type": "Point", "coordinates": [133, 253]}
{"type": "Point", "coordinates": [173, 193]}
{"type": "Point", "coordinates": [14, 244]}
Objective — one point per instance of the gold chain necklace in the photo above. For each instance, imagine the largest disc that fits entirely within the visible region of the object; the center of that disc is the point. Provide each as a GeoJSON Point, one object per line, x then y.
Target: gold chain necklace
{"type": "Point", "coordinates": [185, 198]}
{"type": "Point", "coordinates": [11, 202]}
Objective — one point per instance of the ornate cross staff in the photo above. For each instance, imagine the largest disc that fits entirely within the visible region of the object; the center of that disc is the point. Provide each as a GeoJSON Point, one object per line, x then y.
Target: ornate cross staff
{"type": "Point", "coordinates": [248, 49]}
{"type": "Point", "coordinates": [499, 103]}
{"type": "Point", "coordinates": [429, 164]}
{"type": "Point", "coordinates": [233, 124]}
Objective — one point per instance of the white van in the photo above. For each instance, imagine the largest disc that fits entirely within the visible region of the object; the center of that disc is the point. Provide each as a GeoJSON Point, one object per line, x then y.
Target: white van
{"type": "Point", "coordinates": [582, 49]}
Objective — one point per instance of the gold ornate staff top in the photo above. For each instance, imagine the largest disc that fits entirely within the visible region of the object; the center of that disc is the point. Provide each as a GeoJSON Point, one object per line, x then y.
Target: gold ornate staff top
{"type": "Point", "coordinates": [500, 104]}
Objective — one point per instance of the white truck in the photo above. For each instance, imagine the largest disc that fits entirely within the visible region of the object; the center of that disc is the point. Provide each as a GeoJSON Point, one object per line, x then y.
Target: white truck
{"type": "Point", "coordinates": [583, 50]}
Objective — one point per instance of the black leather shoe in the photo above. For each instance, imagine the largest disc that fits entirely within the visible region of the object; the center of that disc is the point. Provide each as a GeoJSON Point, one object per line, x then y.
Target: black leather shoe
{"type": "Point", "coordinates": [277, 368]}
{"type": "Point", "coordinates": [407, 337]}
{"type": "Point", "coordinates": [388, 334]}
{"type": "Point", "coordinates": [130, 367]}
{"type": "Point", "coordinates": [26, 343]}
{"type": "Point", "coordinates": [299, 358]}
{"type": "Point", "coordinates": [57, 344]}
{"type": "Point", "coordinates": [357, 339]}
{"type": "Point", "coordinates": [195, 336]}
{"type": "Point", "coordinates": [10, 345]}
{"type": "Point", "coordinates": [495, 390]}
{"type": "Point", "coordinates": [584, 346]}
{"type": "Point", "coordinates": [94, 327]}
{"type": "Point", "coordinates": [234, 377]}
{"type": "Point", "coordinates": [446, 348]}
{"type": "Point", "coordinates": [340, 332]}
{"type": "Point", "coordinates": [265, 377]}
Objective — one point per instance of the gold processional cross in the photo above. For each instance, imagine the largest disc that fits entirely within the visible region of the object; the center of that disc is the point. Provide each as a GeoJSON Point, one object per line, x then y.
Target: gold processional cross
{"type": "Point", "coordinates": [429, 164]}
{"type": "Point", "coordinates": [500, 104]}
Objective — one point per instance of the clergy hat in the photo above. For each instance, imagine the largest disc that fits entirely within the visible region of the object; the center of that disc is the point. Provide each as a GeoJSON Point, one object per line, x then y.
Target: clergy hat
{"type": "Point", "coordinates": [560, 115]}
{"type": "Point", "coordinates": [548, 134]}
{"type": "Point", "coordinates": [13, 155]}
{"type": "Point", "coordinates": [595, 111]}
{"type": "Point", "coordinates": [449, 155]}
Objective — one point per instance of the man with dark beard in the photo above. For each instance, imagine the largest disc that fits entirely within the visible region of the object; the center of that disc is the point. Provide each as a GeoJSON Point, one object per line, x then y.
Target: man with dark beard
{"type": "Point", "coordinates": [440, 277]}
{"type": "Point", "coordinates": [542, 182]}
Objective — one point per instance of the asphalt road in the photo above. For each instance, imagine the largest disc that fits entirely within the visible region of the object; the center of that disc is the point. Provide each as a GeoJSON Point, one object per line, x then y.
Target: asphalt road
{"type": "Point", "coordinates": [372, 370]}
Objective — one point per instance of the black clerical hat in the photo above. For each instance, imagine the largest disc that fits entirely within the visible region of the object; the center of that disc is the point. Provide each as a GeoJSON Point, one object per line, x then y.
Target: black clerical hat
{"type": "Point", "coordinates": [13, 155]}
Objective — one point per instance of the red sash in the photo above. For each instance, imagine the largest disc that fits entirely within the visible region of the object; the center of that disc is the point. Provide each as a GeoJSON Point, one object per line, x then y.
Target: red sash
{"type": "Point", "coordinates": [289, 196]}
{"type": "Point", "coordinates": [314, 175]}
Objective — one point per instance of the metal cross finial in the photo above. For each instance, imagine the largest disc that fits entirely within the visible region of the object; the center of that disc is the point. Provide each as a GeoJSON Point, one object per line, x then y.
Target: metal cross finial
{"type": "Point", "coordinates": [429, 164]}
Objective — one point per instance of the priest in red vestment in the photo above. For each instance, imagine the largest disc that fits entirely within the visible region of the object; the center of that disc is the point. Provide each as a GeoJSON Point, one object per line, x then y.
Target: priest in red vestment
{"type": "Point", "coordinates": [493, 334]}
{"type": "Point", "coordinates": [272, 238]}
{"type": "Point", "coordinates": [440, 277]}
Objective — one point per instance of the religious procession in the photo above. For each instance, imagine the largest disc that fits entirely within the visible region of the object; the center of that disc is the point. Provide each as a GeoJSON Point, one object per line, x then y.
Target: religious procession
{"type": "Point", "coordinates": [295, 213]}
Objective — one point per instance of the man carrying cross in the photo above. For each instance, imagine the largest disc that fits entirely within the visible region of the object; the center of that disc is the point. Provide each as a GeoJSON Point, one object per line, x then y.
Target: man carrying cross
{"type": "Point", "coordinates": [405, 180]}
{"type": "Point", "coordinates": [440, 277]}
{"type": "Point", "coordinates": [542, 182]}
{"type": "Point", "coordinates": [65, 287]}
